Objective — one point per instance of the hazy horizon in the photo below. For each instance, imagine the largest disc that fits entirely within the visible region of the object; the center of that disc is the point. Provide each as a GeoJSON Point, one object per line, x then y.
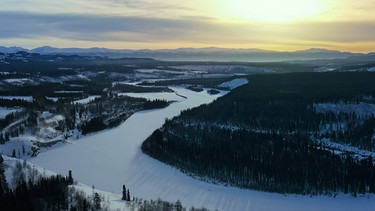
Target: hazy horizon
{"type": "Point", "coordinates": [186, 48]}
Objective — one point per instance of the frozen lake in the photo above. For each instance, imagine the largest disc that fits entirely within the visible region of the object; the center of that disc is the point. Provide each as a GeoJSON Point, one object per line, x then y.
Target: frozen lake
{"type": "Point", "coordinates": [112, 158]}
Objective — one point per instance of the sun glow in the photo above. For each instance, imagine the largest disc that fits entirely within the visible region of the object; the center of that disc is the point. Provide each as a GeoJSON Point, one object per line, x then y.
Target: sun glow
{"type": "Point", "coordinates": [273, 10]}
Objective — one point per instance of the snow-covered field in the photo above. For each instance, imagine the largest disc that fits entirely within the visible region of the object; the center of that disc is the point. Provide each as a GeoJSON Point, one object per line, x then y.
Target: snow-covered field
{"type": "Point", "coordinates": [19, 81]}
{"type": "Point", "coordinates": [87, 100]}
{"type": "Point", "coordinates": [234, 83]}
{"type": "Point", "coordinates": [5, 111]}
{"type": "Point", "coordinates": [112, 158]}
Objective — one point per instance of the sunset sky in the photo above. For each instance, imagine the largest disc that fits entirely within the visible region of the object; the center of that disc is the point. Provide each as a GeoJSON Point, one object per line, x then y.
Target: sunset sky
{"type": "Point", "coordinates": [282, 25]}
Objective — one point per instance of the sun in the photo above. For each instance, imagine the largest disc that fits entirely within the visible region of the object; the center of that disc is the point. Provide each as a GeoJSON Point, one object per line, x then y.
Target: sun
{"type": "Point", "coordinates": [272, 10]}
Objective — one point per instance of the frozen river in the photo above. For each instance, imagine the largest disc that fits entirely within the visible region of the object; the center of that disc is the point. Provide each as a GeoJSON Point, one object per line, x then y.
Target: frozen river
{"type": "Point", "coordinates": [113, 157]}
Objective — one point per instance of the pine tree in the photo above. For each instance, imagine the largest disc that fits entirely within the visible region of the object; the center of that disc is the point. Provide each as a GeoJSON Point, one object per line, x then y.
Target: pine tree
{"type": "Point", "coordinates": [84, 205]}
{"type": "Point", "coordinates": [128, 195]}
{"type": "Point", "coordinates": [7, 137]}
{"type": "Point", "coordinates": [124, 196]}
{"type": "Point", "coordinates": [178, 206]}
{"type": "Point", "coordinates": [97, 201]}
{"type": "Point", "coordinates": [3, 182]}
{"type": "Point", "coordinates": [70, 178]}
{"type": "Point", "coordinates": [23, 150]}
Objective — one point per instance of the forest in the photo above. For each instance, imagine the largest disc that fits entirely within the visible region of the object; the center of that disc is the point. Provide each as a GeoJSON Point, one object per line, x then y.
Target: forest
{"type": "Point", "coordinates": [36, 191]}
{"type": "Point", "coordinates": [268, 135]}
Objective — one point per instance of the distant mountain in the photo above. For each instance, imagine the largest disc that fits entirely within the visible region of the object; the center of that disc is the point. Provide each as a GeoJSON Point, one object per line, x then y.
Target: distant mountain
{"type": "Point", "coordinates": [196, 54]}
{"type": "Point", "coordinates": [11, 49]}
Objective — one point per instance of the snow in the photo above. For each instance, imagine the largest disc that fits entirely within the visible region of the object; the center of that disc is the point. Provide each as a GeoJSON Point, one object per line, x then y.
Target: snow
{"type": "Point", "coordinates": [234, 83]}
{"type": "Point", "coordinates": [360, 109]}
{"type": "Point", "coordinates": [19, 81]}
{"type": "Point", "coordinates": [5, 111]}
{"type": "Point", "coordinates": [161, 71]}
{"type": "Point", "coordinates": [26, 98]}
{"type": "Point", "coordinates": [18, 144]}
{"type": "Point", "coordinates": [54, 99]}
{"type": "Point", "coordinates": [112, 158]}
{"type": "Point", "coordinates": [87, 100]}
{"type": "Point", "coordinates": [74, 77]}
{"type": "Point", "coordinates": [111, 200]}
{"type": "Point", "coordinates": [49, 118]}
{"type": "Point", "coordinates": [220, 68]}
{"type": "Point", "coordinates": [177, 95]}
{"type": "Point", "coordinates": [153, 95]}
{"type": "Point", "coordinates": [340, 148]}
{"type": "Point", "coordinates": [324, 69]}
{"type": "Point", "coordinates": [67, 92]}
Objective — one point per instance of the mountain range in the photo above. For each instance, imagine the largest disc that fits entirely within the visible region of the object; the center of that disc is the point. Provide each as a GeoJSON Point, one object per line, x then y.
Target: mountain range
{"type": "Point", "coordinates": [196, 54]}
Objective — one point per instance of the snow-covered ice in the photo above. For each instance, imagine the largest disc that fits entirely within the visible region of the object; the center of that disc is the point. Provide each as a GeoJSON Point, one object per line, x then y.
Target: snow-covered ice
{"type": "Point", "coordinates": [176, 95]}
{"type": "Point", "coordinates": [112, 158]}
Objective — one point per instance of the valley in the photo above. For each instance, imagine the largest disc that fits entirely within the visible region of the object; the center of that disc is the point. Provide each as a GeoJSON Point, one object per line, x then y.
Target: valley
{"type": "Point", "coordinates": [94, 116]}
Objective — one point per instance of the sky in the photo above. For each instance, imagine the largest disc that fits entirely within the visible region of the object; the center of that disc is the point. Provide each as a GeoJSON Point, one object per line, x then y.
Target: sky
{"type": "Point", "coordinates": [281, 25]}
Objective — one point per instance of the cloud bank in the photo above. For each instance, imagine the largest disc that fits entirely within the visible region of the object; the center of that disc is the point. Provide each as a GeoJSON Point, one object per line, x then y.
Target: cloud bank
{"type": "Point", "coordinates": [187, 29]}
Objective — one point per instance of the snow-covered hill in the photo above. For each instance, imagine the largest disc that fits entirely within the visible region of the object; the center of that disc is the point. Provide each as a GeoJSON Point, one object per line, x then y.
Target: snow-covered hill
{"type": "Point", "coordinates": [112, 158]}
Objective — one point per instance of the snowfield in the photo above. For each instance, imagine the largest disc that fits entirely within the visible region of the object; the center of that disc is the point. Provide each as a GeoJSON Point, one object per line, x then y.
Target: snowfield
{"type": "Point", "coordinates": [113, 157]}
{"type": "Point", "coordinates": [5, 111]}
{"type": "Point", "coordinates": [87, 100]}
{"type": "Point", "coordinates": [234, 83]}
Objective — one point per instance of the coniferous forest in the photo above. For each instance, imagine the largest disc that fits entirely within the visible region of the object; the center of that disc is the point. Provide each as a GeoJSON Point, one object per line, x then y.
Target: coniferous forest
{"type": "Point", "coordinates": [273, 134]}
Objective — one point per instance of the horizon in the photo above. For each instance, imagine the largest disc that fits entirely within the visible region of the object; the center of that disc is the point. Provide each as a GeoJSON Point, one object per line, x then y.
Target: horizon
{"type": "Point", "coordinates": [184, 48]}
{"type": "Point", "coordinates": [283, 26]}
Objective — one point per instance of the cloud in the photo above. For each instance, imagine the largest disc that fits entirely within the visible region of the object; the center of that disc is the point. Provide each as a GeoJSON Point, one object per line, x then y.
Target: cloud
{"type": "Point", "coordinates": [108, 28]}
{"type": "Point", "coordinates": [338, 31]}
{"type": "Point", "coordinates": [84, 26]}
{"type": "Point", "coordinates": [146, 4]}
{"type": "Point", "coordinates": [187, 29]}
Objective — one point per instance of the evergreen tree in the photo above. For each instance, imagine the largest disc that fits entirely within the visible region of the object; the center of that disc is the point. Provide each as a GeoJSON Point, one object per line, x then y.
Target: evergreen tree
{"type": "Point", "coordinates": [3, 182]}
{"type": "Point", "coordinates": [124, 196]}
{"type": "Point", "coordinates": [97, 201]}
{"type": "Point", "coordinates": [178, 206]}
{"type": "Point", "coordinates": [6, 137]}
{"type": "Point", "coordinates": [128, 195]}
{"type": "Point", "coordinates": [84, 205]}
{"type": "Point", "coordinates": [70, 178]}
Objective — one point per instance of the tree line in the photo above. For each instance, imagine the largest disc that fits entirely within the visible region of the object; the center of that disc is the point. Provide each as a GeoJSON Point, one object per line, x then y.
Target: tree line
{"type": "Point", "coordinates": [267, 136]}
